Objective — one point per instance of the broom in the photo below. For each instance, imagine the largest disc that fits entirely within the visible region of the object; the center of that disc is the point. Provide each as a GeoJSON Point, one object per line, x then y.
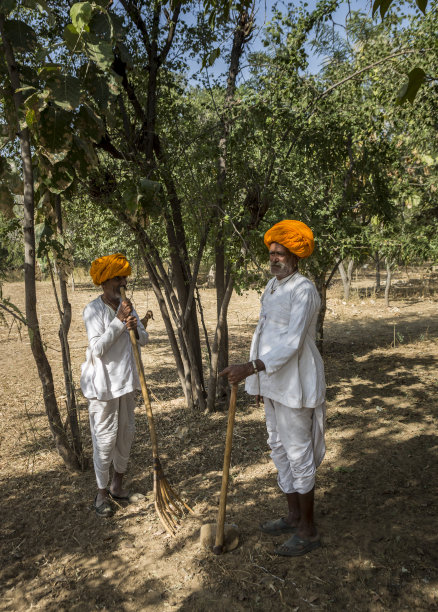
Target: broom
{"type": "Point", "coordinates": [169, 506]}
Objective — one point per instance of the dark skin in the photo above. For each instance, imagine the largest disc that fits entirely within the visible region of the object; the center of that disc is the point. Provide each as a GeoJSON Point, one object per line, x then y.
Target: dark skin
{"type": "Point", "coordinates": [112, 297]}
{"type": "Point", "coordinates": [300, 506]}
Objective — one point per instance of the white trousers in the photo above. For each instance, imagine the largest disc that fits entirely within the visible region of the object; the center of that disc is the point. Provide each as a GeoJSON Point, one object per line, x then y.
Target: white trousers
{"type": "Point", "coordinates": [296, 439]}
{"type": "Point", "coordinates": [112, 431]}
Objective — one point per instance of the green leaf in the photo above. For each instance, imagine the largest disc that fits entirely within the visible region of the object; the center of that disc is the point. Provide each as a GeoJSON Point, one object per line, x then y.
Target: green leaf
{"type": "Point", "coordinates": [72, 38]}
{"type": "Point", "coordinates": [43, 233]}
{"type": "Point", "coordinates": [89, 125]}
{"type": "Point", "coordinates": [409, 90]}
{"type": "Point", "coordinates": [129, 197]}
{"type": "Point", "coordinates": [148, 196]}
{"type": "Point", "coordinates": [6, 202]}
{"type": "Point", "coordinates": [101, 53]}
{"type": "Point", "coordinates": [100, 25]}
{"type": "Point", "coordinates": [210, 58]}
{"type": "Point", "coordinates": [65, 89]}
{"type": "Point", "coordinates": [21, 36]}
{"type": "Point", "coordinates": [80, 14]}
{"type": "Point", "coordinates": [96, 85]}
{"type": "Point", "coordinates": [58, 177]}
{"type": "Point", "coordinates": [54, 129]}
{"type": "Point", "coordinates": [383, 5]}
{"type": "Point", "coordinates": [82, 156]}
{"type": "Point", "coordinates": [422, 4]}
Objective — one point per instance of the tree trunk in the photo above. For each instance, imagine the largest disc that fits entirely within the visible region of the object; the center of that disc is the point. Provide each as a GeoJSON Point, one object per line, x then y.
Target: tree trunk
{"type": "Point", "coordinates": [216, 344]}
{"type": "Point", "coordinates": [222, 357]}
{"type": "Point", "coordinates": [377, 260]}
{"type": "Point", "coordinates": [43, 366]}
{"type": "Point", "coordinates": [321, 287]}
{"type": "Point", "coordinates": [388, 280]}
{"type": "Point", "coordinates": [64, 328]}
{"type": "Point", "coordinates": [241, 33]}
{"type": "Point", "coordinates": [346, 276]}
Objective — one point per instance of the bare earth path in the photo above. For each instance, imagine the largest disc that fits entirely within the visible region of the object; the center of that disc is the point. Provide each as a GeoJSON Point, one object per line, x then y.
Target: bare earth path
{"type": "Point", "coordinates": [376, 490]}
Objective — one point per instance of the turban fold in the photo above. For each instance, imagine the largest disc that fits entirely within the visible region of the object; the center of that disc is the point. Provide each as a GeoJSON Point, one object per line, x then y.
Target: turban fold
{"type": "Point", "coordinates": [109, 266]}
{"type": "Point", "coordinates": [294, 235]}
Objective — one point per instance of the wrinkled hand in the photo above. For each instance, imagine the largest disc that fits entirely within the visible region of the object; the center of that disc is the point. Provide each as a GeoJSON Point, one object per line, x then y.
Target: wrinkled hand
{"type": "Point", "coordinates": [125, 310]}
{"type": "Point", "coordinates": [131, 322]}
{"type": "Point", "coordinates": [236, 373]}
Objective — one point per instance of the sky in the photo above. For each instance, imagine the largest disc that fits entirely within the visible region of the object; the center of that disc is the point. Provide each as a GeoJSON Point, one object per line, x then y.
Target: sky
{"type": "Point", "coordinates": [264, 15]}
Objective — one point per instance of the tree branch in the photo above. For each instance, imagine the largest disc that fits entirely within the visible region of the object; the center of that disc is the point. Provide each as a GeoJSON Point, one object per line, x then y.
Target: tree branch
{"type": "Point", "coordinates": [170, 34]}
{"type": "Point", "coordinates": [11, 312]}
{"type": "Point", "coordinates": [134, 12]}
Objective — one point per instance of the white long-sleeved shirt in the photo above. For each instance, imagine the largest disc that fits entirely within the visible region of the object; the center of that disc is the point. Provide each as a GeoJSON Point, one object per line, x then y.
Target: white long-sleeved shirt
{"type": "Point", "coordinates": [109, 370]}
{"type": "Point", "coordinates": [284, 340]}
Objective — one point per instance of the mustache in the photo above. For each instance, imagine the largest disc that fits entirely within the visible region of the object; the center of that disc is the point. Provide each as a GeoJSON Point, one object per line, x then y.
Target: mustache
{"type": "Point", "coordinates": [281, 265]}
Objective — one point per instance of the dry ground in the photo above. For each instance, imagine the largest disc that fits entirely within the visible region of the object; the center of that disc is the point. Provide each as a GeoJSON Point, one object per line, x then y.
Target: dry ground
{"type": "Point", "coordinates": [375, 500]}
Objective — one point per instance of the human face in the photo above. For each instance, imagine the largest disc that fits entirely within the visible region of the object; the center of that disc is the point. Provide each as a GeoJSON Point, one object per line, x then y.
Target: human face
{"type": "Point", "coordinates": [111, 287]}
{"type": "Point", "coordinates": [281, 260]}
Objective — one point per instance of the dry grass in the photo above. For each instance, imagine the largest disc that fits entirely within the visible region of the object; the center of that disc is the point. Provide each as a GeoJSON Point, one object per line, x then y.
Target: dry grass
{"type": "Point", "coordinates": [376, 502]}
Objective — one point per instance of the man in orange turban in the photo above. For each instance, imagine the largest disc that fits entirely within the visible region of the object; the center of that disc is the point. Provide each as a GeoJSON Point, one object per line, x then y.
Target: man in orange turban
{"type": "Point", "coordinates": [109, 378]}
{"type": "Point", "coordinates": [286, 370]}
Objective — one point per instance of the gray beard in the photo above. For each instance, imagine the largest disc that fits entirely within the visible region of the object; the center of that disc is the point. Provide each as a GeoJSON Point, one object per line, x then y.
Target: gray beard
{"type": "Point", "coordinates": [281, 268]}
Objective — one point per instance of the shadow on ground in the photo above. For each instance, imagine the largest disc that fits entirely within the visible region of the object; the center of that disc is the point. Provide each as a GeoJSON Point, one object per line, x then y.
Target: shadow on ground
{"type": "Point", "coordinates": [376, 508]}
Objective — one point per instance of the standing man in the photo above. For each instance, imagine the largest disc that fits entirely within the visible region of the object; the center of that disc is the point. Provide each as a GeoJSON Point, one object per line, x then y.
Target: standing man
{"type": "Point", "coordinates": [109, 377]}
{"type": "Point", "coordinates": [286, 369]}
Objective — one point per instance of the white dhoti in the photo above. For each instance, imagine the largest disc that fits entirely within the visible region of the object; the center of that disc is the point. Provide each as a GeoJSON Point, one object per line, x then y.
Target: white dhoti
{"type": "Point", "coordinates": [296, 439]}
{"type": "Point", "coordinates": [112, 431]}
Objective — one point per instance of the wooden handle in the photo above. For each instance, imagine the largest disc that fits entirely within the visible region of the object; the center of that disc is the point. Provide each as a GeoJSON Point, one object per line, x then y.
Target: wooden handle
{"type": "Point", "coordinates": [144, 388]}
{"type": "Point", "coordinates": [219, 542]}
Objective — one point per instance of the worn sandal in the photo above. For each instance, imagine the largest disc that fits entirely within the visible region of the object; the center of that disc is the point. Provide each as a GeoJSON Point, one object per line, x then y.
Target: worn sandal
{"type": "Point", "coordinates": [296, 546]}
{"type": "Point", "coordinates": [131, 498]}
{"type": "Point", "coordinates": [104, 510]}
{"type": "Point", "coordinates": [277, 527]}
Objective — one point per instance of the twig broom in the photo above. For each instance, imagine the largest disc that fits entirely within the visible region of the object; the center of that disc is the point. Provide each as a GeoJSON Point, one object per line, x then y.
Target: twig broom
{"type": "Point", "coordinates": [169, 506]}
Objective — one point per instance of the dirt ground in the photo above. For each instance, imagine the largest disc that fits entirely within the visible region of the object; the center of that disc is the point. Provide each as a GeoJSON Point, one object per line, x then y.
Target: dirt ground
{"type": "Point", "coordinates": [376, 489]}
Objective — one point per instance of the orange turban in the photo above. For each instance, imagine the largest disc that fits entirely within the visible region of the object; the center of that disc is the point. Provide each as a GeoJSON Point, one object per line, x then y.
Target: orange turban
{"type": "Point", "coordinates": [109, 266]}
{"type": "Point", "coordinates": [294, 235]}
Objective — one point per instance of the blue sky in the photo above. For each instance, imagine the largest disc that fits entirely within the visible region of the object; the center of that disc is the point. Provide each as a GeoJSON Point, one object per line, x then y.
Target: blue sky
{"type": "Point", "coordinates": [264, 15]}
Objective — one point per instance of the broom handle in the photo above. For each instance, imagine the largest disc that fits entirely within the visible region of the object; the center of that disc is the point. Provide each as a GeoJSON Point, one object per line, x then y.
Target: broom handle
{"type": "Point", "coordinates": [144, 388]}
{"type": "Point", "coordinates": [217, 549]}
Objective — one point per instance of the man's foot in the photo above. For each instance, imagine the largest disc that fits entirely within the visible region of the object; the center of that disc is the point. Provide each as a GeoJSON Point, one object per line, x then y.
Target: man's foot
{"type": "Point", "coordinates": [103, 508]}
{"type": "Point", "coordinates": [277, 527]}
{"type": "Point", "coordinates": [296, 546]}
{"type": "Point", "coordinates": [126, 496]}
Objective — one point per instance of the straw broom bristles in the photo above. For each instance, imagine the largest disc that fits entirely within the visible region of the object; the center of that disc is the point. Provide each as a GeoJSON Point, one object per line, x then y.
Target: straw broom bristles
{"type": "Point", "coordinates": [168, 505]}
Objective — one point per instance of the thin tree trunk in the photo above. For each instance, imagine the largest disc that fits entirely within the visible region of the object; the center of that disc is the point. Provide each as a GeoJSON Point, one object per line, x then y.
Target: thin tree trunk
{"type": "Point", "coordinates": [241, 33]}
{"type": "Point", "coordinates": [321, 287]}
{"type": "Point", "coordinates": [346, 276]}
{"type": "Point", "coordinates": [388, 280]}
{"type": "Point", "coordinates": [181, 358]}
{"type": "Point", "coordinates": [216, 343]}
{"type": "Point", "coordinates": [377, 259]}
{"type": "Point", "coordinates": [221, 383]}
{"type": "Point", "coordinates": [65, 314]}
{"type": "Point", "coordinates": [43, 366]}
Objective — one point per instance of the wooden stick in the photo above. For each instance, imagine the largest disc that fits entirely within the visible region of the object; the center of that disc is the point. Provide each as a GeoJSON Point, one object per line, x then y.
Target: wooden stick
{"type": "Point", "coordinates": [167, 503]}
{"type": "Point", "coordinates": [219, 543]}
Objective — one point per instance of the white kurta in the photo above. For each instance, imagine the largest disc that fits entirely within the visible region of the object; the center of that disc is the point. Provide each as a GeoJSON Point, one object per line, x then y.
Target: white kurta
{"type": "Point", "coordinates": [293, 384]}
{"type": "Point", "coordinates": [284, 340]}
{"type": "Point", "coordinates": [109, 370]}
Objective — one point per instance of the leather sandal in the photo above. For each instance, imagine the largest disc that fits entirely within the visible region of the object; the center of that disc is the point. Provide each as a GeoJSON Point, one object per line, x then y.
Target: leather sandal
{"type": "Point", "coordinates": [296, 546]}
{"type": "Point", "coordinates": [105, 509]}
{"type": "Point", "coordinates": [277, 527]}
